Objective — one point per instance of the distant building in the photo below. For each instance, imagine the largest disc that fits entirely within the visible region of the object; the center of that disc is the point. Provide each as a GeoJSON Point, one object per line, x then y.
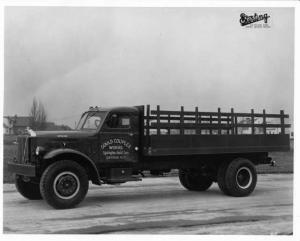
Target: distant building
{"type": "Point", "coordinates": [14, 125]}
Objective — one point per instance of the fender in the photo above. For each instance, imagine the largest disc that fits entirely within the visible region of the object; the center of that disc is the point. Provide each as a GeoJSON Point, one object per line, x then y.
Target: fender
{"type": "Point", "coordinates": [57, 152]}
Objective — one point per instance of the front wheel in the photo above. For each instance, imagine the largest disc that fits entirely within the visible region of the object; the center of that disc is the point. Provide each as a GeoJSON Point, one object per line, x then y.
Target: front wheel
{"type": "Point", "coordinates": [193, 180]}
{"type": "Point", "coordinates": [64, 184]}
{"type": "Point", "coordinates": [29, 189]}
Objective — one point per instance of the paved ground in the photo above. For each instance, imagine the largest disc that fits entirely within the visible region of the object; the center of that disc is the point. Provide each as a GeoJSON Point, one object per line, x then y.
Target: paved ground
{"type": "Point", "coordinates": [159, 206]}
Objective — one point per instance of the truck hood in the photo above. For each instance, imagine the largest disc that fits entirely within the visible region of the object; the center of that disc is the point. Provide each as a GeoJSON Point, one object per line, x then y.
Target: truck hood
{"type": "Point", "coordinates": [62, 134]}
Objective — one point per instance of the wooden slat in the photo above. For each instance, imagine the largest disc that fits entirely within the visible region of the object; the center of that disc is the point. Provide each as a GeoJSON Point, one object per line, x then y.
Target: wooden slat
{"type": "Point", "coordinates": [262, 125]}
{"type": "Point", "coordinates": [219, 120]}
{"type": "Point", "coordinates": [228, 122]}
{"type": "Point", "coordinates": [169, 123]}
{"type": "Point", "coordinates": [232, 121]}
{"type": "Point", "coordinates": [181, 120]}
{"type": "Point", "coordinates": [166, 112]}
{"type": "Point", "coordinates": [158, 119]}
{"type": "Point", "coordinates": [210, 129]}
{"type": "Point", "coordinates": [147, 126]}
{"type": "Point", "coordinates": [282, 122]}
{"type": "Point", "coordinates": [252, 122]}
{"type": "Point", "coordinates": [213, 126]}
{"type": "Point", "coordinates": [264, 122]}
{"type": "Point", "coordinates": [187, 118]}
{"type": "Point", "coordinates": [188, 126]}
{"type": "Point", "coordinates": [148, 119]}
{"type": "Point", "coordinates": [235, 125]}
{"type": "Point", "coordinates": [197, 121]}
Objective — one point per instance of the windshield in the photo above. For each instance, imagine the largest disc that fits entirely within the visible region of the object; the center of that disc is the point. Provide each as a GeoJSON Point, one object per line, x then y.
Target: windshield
{"type": "Point", "coordinates": [91, 120]}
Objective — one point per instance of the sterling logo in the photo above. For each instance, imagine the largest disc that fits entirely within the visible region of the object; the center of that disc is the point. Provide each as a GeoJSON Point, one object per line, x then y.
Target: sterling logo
{"type": "Point", "coordinates": [245, 19]}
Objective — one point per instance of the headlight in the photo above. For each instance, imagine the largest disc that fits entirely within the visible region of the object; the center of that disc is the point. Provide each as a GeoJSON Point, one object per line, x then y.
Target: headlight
{"type": "Point", "coordinates": [38, 150]}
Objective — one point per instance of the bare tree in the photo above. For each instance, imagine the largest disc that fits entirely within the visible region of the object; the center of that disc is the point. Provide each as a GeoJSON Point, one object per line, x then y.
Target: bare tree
{"type": "Point", "coordinates": [38, 115]}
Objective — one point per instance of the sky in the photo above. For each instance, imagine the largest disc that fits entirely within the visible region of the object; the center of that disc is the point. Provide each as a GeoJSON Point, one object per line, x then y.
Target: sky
{"type": "Point", "coordinates": [71, 58]}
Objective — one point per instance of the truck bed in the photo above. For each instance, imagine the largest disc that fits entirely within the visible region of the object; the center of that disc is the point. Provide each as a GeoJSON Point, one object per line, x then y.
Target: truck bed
{"type": "Point", "coordinates": [193, 132]}
{"type": "Point", "coordinates": [214, 144]}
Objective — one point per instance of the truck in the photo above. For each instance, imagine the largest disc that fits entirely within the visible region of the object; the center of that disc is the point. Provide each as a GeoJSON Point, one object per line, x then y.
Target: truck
{"type": "Point", "coordinates": [119, 144]}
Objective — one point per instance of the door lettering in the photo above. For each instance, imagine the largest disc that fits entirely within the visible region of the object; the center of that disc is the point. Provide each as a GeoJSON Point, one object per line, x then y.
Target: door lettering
{"type": "Point", "coordinates": [115, 149]}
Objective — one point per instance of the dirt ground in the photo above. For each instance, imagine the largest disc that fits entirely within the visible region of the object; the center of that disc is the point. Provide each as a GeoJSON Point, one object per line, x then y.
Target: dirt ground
{"type": "Point", "coordinates": [159, 206]}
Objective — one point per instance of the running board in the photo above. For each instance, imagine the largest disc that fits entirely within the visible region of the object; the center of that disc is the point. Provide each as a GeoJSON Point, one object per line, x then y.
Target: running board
{"type": "Point", "coordinates": [121, 180]}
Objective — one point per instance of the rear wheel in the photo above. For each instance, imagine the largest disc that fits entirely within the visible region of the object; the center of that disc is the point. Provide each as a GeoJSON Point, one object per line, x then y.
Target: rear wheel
{"type": "Point", "coordinates": [221, 177]}
{"type": "Point", "coordinates": [193, 180]}
{"type": "Point", "coordinates": [27, 189]}
{"type": "Point", "coordinates": [64, 184]}
{"type": "Point", "coordinates": [240, 177]}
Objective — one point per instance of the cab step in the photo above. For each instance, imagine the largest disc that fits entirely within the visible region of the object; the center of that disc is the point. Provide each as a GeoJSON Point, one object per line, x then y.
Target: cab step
{"type": "Point", "coordinates": [120, 175]}
{"type": "Point", "coordinates": [122, 180]}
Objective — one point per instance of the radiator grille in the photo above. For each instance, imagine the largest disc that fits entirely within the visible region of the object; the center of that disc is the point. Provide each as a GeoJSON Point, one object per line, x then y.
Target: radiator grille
{"type": "Point", "coordinates": [22, 154]}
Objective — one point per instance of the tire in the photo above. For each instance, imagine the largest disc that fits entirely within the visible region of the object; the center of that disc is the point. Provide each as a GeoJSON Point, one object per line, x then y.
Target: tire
{"type": "Point", "coordinates": [240, 177]}
{"type": "Point", "coordinates": [64, 184]}
{"type": "Point", "coordinates": [29, 190]}
{"type": "Point", "coordinates": [221, 177]}
{"type": "Point", "coordinates": [193, 180]}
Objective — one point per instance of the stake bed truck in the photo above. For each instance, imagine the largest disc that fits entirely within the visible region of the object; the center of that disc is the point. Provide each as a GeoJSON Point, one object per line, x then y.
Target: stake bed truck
{"type": "Point", "coordinates": [115, 145]}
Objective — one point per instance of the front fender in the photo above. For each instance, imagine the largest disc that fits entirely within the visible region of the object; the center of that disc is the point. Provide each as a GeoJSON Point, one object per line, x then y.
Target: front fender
{"type": "Point", "coordinates": [67, 151]}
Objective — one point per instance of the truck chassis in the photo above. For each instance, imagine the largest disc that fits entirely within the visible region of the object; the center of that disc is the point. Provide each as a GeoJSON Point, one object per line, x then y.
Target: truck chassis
{"type": "Point", "coordinates": [206, 147]}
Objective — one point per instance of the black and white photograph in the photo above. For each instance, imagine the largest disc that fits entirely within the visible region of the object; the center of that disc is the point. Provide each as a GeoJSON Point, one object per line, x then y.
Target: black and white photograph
{"type": "Point", "coordinates": [148, 120]}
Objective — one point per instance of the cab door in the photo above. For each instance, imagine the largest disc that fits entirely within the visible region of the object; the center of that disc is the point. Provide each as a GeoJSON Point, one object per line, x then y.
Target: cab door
{"type": "Point", "coordinates": [119, 138]}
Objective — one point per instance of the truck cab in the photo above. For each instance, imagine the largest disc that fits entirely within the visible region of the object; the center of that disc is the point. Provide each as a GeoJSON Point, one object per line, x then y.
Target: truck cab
{"type": "Point", "coordinates": [117, 131]}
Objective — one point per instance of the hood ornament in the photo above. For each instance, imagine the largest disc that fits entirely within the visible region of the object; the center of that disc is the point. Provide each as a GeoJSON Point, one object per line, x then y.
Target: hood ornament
{"type": "Point", "coordinates": [30, 131]}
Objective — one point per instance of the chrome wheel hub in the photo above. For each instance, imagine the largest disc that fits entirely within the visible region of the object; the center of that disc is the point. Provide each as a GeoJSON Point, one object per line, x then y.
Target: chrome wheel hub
{"type": "Point", "coordinates": [244, 177]}
{"type": "Point", "coordinates": [66, 185]}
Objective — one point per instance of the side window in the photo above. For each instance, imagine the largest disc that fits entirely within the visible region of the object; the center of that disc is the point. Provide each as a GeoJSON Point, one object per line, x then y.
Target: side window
{"type": "Point", "coordinates": [119, 121]}
{"type": "Point", "coordinates": [124, 122]}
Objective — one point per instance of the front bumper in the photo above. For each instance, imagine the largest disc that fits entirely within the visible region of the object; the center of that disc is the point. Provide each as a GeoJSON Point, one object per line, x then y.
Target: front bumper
{"type": "Point", "coordinates": [22, 169]}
